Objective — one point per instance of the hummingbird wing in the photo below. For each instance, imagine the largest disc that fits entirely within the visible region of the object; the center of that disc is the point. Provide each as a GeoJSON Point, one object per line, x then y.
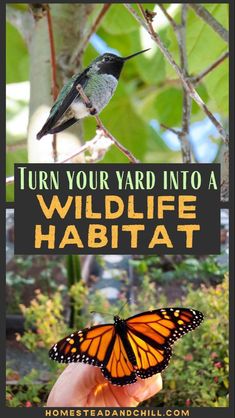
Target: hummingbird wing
{"type": "Point", "coordinates": [64, 100]}
{"type": "Point", "coordinates": [63, 126]}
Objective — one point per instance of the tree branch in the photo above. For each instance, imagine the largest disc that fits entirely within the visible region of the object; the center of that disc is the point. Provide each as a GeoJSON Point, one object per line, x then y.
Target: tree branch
{"type": "Point", "coordinates": [210, 20]}
{"type": "Point", "coordinates": [179, 30]}
{"type": "Point", "coordinates": [80, 49]}
{"type": "Point", "coordinates": [185, 81]}
{"type": "Point", "coordinates": [187, 102]}
{"type": "Point", "coordinates": [55, 88]}
{"type": "Point", "coordinates": [200, 76]}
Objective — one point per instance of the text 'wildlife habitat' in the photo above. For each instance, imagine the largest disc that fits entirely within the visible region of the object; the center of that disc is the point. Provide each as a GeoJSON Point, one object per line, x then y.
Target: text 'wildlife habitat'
{"type": "Point", "coordinates": [117, 208]}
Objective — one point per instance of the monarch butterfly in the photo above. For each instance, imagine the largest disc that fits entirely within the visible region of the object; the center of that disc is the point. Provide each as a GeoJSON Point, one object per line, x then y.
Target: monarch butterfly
{"type": "Point", "coordinates": [139, 346]}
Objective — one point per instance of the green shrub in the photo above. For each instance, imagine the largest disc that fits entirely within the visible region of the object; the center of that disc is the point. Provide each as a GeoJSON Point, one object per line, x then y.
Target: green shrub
{"type": "Point", "coordinates": [43, 321]}
{"type": "Point", "coordinates": [28, 391]}
{"type": "Point", "coordinates": [198, 371]}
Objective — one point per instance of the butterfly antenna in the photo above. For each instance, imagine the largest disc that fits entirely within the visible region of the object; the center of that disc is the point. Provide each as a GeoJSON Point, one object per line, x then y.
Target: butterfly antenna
{"type": "Point", "coordinates": [101, 313]}
{"type": "Point", "coordinates": [123, 306]}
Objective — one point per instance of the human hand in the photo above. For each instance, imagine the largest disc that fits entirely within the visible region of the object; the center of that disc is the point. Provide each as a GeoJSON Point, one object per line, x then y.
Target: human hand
{"type": "Point", "coordinates": [82, 385]}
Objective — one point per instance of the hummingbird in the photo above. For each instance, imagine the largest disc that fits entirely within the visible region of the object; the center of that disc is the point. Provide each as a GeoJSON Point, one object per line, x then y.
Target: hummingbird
{"type": "Point", "coordinates": [98, 81]}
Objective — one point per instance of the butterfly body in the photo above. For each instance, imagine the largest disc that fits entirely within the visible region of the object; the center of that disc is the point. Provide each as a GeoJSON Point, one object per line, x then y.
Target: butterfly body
{"type": "Point", "coordinates": [121, 329]}
{"type": "Point", "coordinates": [139, 346]}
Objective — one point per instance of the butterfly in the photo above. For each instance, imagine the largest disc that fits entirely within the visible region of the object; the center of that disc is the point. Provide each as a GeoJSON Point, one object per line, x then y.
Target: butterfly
{"type": "Point", "coordinates": [139, 346]}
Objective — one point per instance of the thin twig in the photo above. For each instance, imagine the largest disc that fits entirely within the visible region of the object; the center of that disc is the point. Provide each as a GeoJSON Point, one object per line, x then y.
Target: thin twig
{"type": "Point", "coordinates": [168, 16]}
{"type": "Point", "coordinates": [83, 148]}
{"type": "Point", "coordinates": [185, 81]}
{"type": "Point", "coordinates": [123, 149]}
{"type": "Point", "coordinates": [55, 89]}
{"type": "Point", "coordinates": [210, 20]}
{"type": "Point", "coordinates": [87, 102]}
{"type": "Point", "coordinates": [211, 67]}
{"type": "Point", "coordinates": [168, 128]}
{"type": "Point", "coordinates": [80, 49]}
{"type": "Point", "coordinates": [197, 78]}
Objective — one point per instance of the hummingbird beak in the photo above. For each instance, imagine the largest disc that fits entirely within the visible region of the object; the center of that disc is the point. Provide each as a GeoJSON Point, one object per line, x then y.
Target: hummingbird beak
{"type": "Point", "coordinates": [133, 55]}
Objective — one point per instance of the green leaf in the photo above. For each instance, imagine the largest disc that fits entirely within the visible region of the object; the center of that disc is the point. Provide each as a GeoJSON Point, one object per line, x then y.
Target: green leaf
{"type": "Point", "coordinates": [19, 6]}
{"type": "Point", "coordinates": [204, 45]}
{"type": "Point", "coordinates": [17, 57]}
{"type": "Point", "coordinates": [119, 21]}
{"type": "Point", "coordinates": [151, 70]}
{"type": "Point", "coordinates": [216, 83]}
{"type": "Point", "coordinates": [89, 55]}
{"type": "Point", "coordinates": [150, 65]}
{"type": "Point", "coordinates": [168, 107]}
{"type": "Point", "coordinates": [121, 42]}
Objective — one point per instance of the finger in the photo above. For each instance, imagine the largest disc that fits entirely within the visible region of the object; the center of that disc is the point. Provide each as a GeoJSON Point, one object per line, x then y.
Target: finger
{"type": "Point", "coordinates": [74, 385]}
{"type": "Point", "coordinates": [144, 389]}
{"type": "Point", "coordinates": [103, 396]}
{"type": "Point", "coordinates": [110, 395]}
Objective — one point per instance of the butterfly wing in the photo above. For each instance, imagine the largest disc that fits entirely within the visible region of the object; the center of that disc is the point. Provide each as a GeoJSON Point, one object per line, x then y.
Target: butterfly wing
{"type": "Point", "coordinates": [99, 346]}
{"type": "Point", "coordinates": [90, 345]}
{"type": "Point", "coordinates": [152, 333]}
{"type": "Point", "coordinates": [119, 370]}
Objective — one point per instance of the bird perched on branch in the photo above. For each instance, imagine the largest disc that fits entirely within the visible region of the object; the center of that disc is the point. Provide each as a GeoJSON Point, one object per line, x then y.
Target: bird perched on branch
{"type": "Point", "coordinates": [98, 82]}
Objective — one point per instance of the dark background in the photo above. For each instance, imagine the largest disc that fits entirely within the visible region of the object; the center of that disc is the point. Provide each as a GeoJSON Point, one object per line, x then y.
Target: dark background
{"type": "Point", "coordinates": [206, 241]}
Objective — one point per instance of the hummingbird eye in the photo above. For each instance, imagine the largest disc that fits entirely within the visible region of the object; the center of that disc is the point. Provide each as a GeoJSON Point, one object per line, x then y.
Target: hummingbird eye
{"type": "Point", "coordinates": [106, 59]}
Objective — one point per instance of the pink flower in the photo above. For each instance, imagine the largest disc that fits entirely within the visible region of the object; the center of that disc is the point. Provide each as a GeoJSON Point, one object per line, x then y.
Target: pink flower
{"type": "Point", "coordinates": [28, 404]}
{"type": "Point", "coordinates": [188, 402]}
{"type": "Point", "coordinates": [214, 355]}
{"type": "Point", "coordinates": [188, 357]}
{"type": "Point", "coordinates": [216, 379]}
{"type": "Point", "coordinates": [218, 364]}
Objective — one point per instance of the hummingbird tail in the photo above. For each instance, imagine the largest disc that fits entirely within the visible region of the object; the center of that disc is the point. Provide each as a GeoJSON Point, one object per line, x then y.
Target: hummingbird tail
{"type": "Point", "coordinates": [40, 134]}
{"type": "Point", "coordinates": [45, 129]}
{"type": "Point", "coordinates": [65, 125]}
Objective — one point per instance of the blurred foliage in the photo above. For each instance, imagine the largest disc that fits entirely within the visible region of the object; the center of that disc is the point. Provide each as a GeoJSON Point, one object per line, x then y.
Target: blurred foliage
{"type": "Point", "coordinates": [198, 374]}
{"type": "Point", "coordinates": [148, 88]}
{"type": "Point", "coordinates": [23, 270]}
{"type": "Point", "coordinates": [26, 393]}
{"type": "Point", "coordinates": [164, 270]}
{"type": "Point", "coordinates": [43, 320]}
{"type": "Point", "coordinates": [17, 282]}
{"type": "Point", "coordinates": [17, 59]}
{"type": "Point", "coordinates": [78, 293]}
